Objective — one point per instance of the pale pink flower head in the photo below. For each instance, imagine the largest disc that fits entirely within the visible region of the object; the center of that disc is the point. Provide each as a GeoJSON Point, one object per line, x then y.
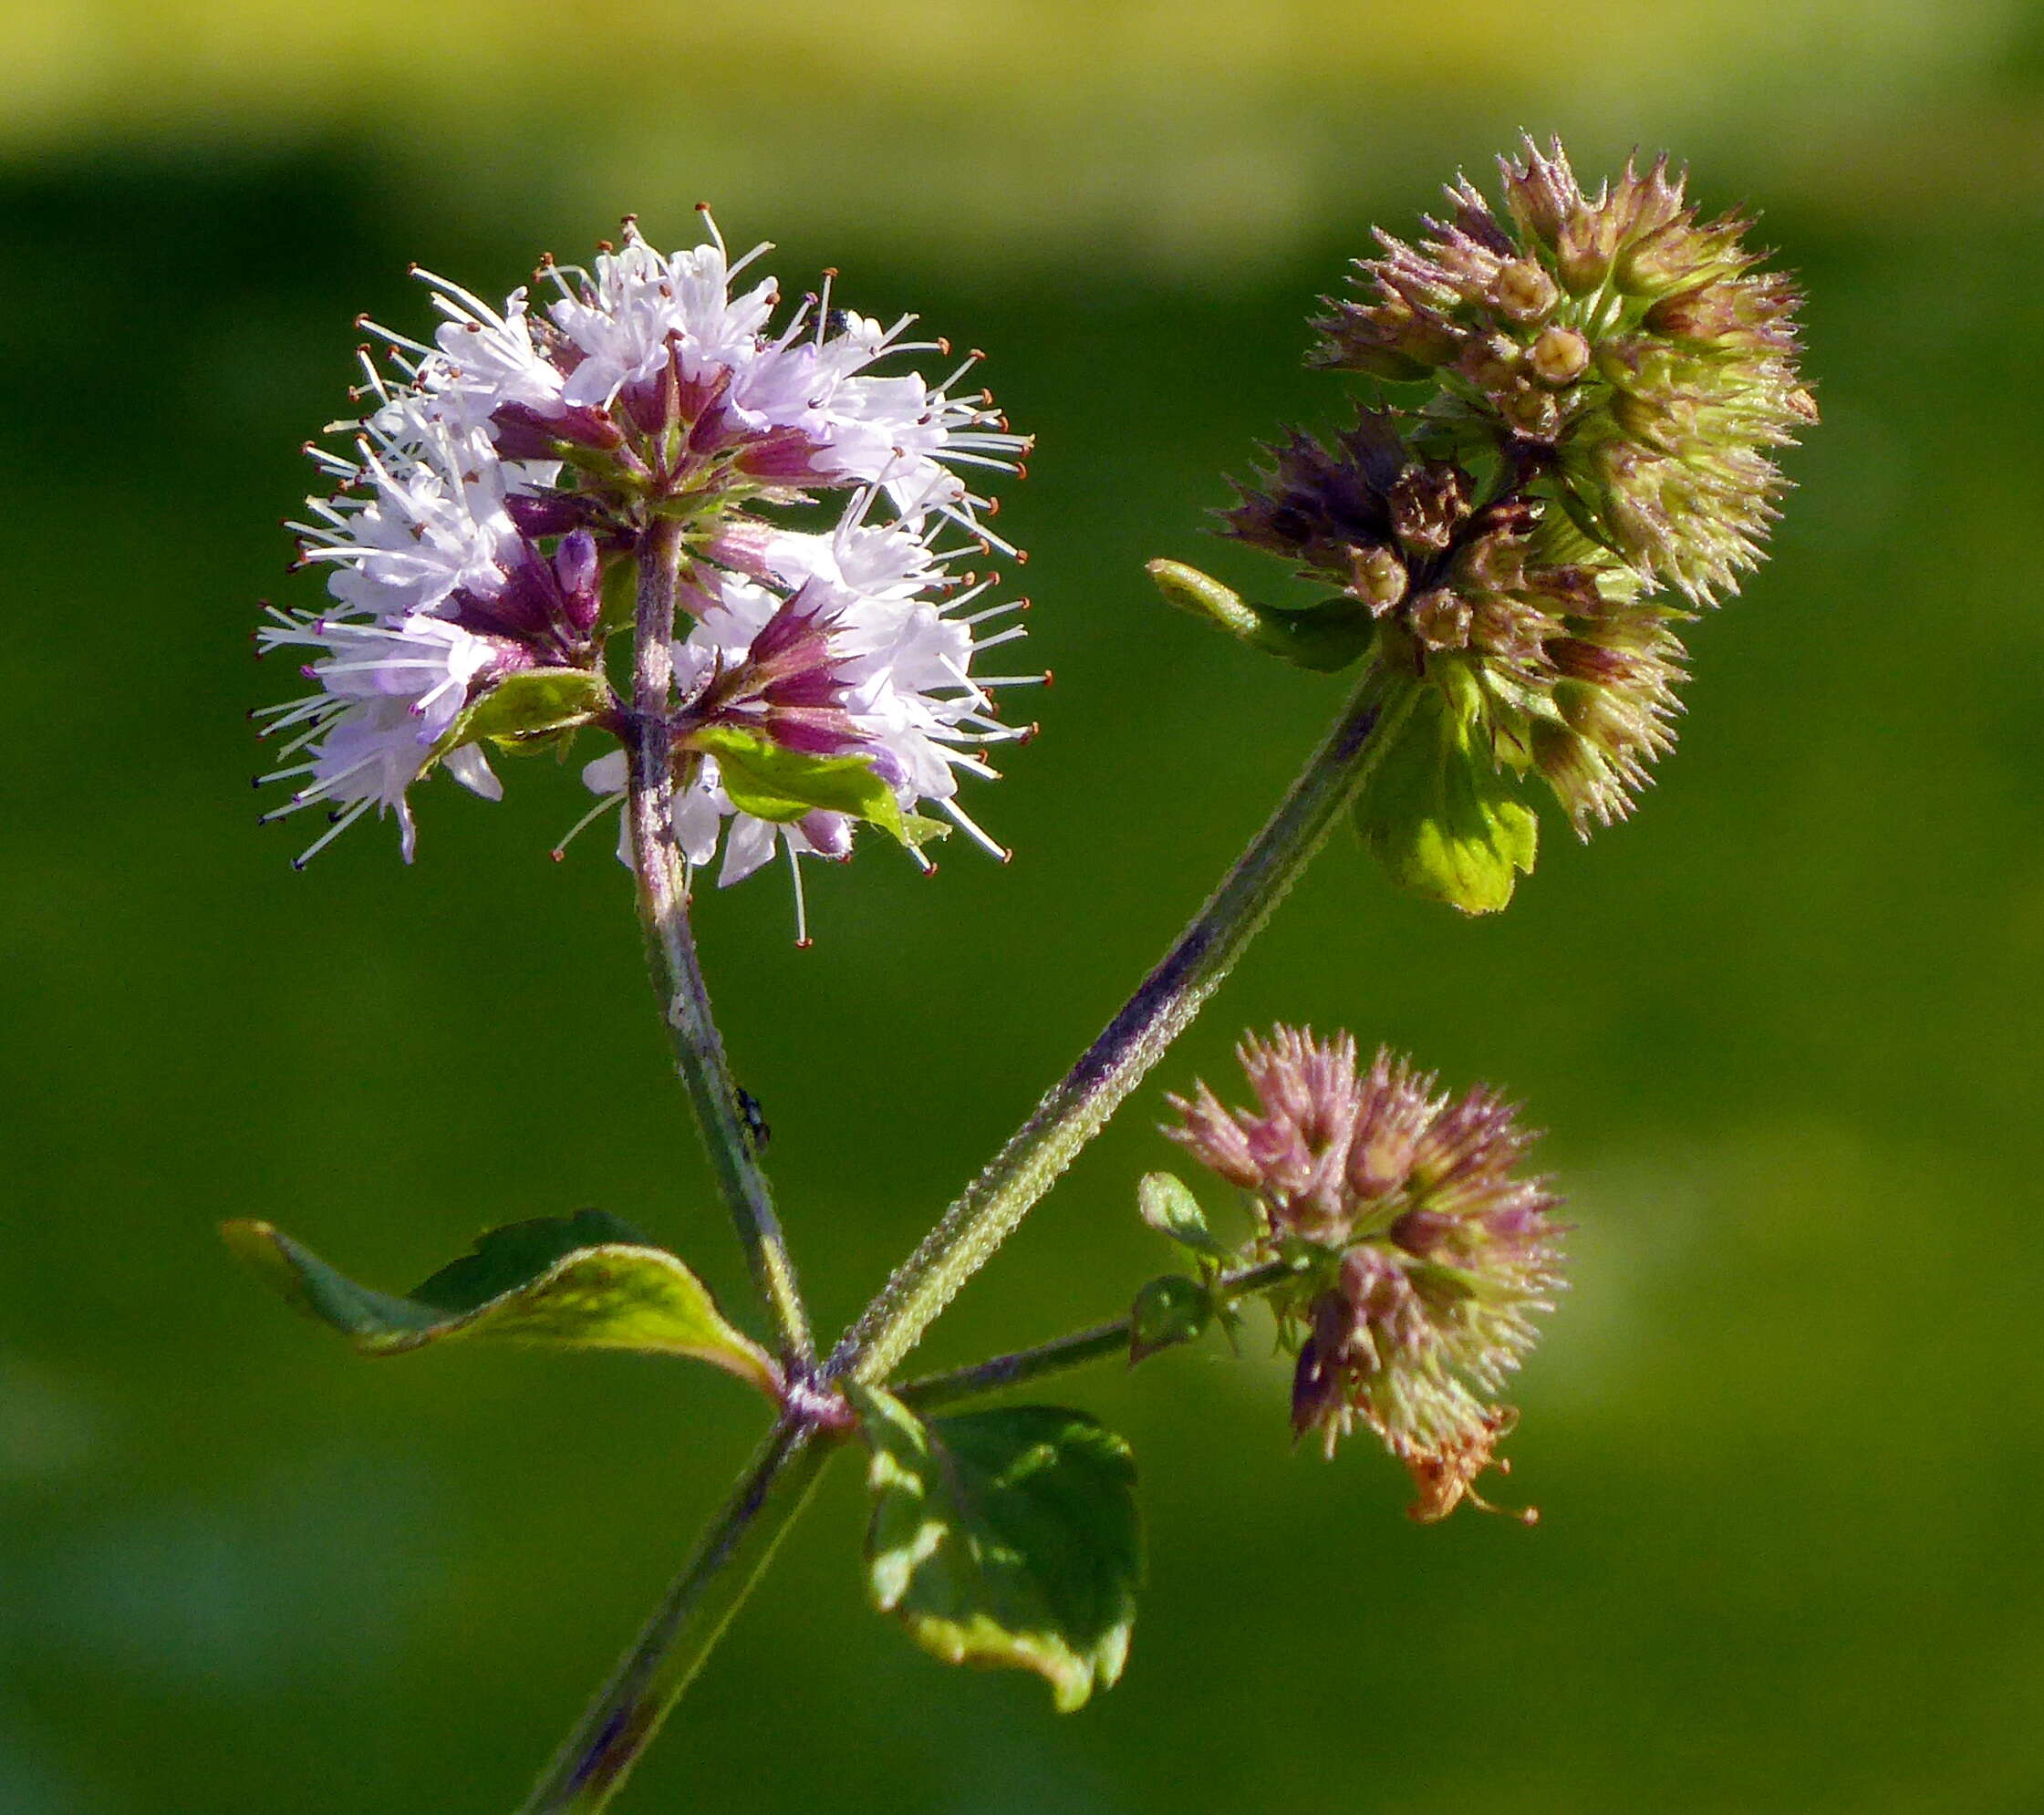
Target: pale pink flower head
{"type": "Point", "coordinates": [1423, 1248]}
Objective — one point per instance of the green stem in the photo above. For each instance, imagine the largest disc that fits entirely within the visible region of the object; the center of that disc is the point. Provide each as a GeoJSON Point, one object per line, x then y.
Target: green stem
{"type": "Point", "coordinates": [728, 1558]}
{"type": "Point", "coordinates": [1077, 1108]}
{"type": "Point", "coordinates": [663, 906]}
{"type": "Point", "coordinates": [733, 1551]}
{"type": "Point", "coordinates": [1068, 1352]}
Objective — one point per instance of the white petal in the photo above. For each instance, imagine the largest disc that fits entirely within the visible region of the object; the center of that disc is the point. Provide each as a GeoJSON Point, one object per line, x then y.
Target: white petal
{"type": "Point", "coordinates": [472, 769]}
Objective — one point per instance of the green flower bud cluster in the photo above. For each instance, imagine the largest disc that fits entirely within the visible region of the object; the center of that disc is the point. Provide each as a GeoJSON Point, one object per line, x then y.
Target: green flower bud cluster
{"type": "Point", "coordinates": [1609, 381]}
{"type": "Point", "coordinates": [1635, 354]}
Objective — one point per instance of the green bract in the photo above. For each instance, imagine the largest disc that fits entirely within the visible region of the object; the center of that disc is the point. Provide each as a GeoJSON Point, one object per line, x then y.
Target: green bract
{"type": "Point", "coordinates": [1166, 1203]}
{"type": "Point", "coordinates": [773, 783]}
{"type": "Point", "coordinates": [1439, 811]}
{"type": "Point", "coordinates": [1322, 637]}
{"type": "Point", "coordinates": [1165, 1313]}
{"type": "Point", "coordinates": [1005, 1539]}
{"type": "Point", "coordinates": [583, 1282]}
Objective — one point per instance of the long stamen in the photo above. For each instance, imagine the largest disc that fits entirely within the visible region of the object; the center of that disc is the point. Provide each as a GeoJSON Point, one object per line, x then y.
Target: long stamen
{"type": "Point", "coordinates": [559, 852]}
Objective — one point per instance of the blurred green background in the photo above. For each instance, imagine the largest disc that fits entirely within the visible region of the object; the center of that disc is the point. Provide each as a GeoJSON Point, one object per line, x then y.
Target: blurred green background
{"type": "Point", "coordinates": [1788, 1431]}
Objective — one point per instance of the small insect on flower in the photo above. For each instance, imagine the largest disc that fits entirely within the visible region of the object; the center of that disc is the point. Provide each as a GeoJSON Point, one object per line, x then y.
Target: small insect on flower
{"type": "Point", "coordinates": [1422, 1252]}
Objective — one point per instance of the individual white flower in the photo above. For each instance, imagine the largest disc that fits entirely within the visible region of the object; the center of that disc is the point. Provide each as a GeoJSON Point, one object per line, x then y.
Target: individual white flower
{"type": "Point", "coordinates": [419, 516]}
{"type": "Point", "coordinates": [638, 308]}
{"type": "Point", "coordinates": [388, 694]}
{"type": "Point", "coordinates": [482, 361]}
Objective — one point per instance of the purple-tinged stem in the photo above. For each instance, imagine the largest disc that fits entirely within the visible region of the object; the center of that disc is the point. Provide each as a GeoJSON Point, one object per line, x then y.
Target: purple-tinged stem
{"type": "Point", "coordinates": [1067, 1352]}
{"type": "Point", "coordinates": [663, 905]}
{"type": "Point", "coordinates": [728, 1558]}
{"type": "Point", "coordinates": [1077, 1108]}
{"type": "Point", "coordinates": [735, 1550]}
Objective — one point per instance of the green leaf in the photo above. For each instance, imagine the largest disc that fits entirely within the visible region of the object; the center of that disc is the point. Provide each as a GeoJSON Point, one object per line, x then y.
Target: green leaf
{"type": "Point", "coordinates": [1324, 637]}
{"type": "Point", "coordinates": [534, 700]}
{"type": "Point", "coordinates": [1167, 1312]}
{"type": "Point", "coordinates": [1005, 1539]}
{"type": "Point", "coordinates": [773, 783]}
{"type": "Point", "coordinates": [1166, 1203]}
{"type": "Point", "coordinates": [524, 708]}
{"type": "Point", "coordinates": [1438, 812]}
{"type": "Point", "coordinates": [586, 1281]}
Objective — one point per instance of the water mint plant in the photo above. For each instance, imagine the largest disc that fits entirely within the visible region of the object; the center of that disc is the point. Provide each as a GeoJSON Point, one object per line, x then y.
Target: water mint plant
{"type": "Point", "coordinates": [716, 549]}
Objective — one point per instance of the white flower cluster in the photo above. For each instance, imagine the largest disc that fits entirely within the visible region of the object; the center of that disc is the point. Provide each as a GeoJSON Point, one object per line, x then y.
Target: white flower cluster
{"type": "Point", "coordinates": [498, 470]}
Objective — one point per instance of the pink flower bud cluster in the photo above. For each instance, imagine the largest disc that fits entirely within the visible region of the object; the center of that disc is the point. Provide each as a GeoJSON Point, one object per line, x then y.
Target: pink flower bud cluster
{"type": "Point", "coordinates": [1424, 1251]}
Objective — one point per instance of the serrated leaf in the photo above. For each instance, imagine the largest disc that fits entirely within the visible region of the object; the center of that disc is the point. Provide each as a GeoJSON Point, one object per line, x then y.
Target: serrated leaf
{"type": "Point", "coordinates": [1166, 1203]}
{"type": "Point", "coordinates": [1005, 1539]}
{"type": "Point", "coordinates": [587, 1282]}
{"type": "Point", "coordinates": [773, 783]}
{"type": "Point", "coordinates": [1440, 814]}
{"type": "Point", "coordinates": [1165, 1313]}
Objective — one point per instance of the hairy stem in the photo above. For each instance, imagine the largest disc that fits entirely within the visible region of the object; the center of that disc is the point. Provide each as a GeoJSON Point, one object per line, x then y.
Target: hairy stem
{"type": "Point", "coordinates": [735, 1550]}
{"type": "Point", "coordinates": [1068, 1352]}
{"type": "Point", "coordinates": [730, 1557]}
{"type": "Point", "coordinates": [1171, 995]}
{"type": "Point", "coordinates": [663, 906]}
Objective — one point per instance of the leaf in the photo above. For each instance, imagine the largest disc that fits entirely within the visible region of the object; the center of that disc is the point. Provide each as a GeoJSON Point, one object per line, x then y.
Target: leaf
{"type": "Point", "coordinates": [522, 709]}
{"type": "Point", "coordinates": [1165, 1313]}
{"type": "Point", "coordinates": [1437, 811]}
{"type": "Point", "coordinates": [1005, 1539]}
{"type": "Point", "coordinates": [586, 1281]}
{"type": "Point", "coordinates": [534, 700]}
{"type": "Point", "coordinates": [1166, 1203]}
{"type": "Point", "coordinates": [1324, 637]}
{"type": "Point", "coordinates": [773, 783]}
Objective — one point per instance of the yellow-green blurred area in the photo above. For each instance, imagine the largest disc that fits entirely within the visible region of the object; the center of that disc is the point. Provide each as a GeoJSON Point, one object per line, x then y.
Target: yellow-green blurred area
{"type": "Point", "coordinates": [1786, 1430]}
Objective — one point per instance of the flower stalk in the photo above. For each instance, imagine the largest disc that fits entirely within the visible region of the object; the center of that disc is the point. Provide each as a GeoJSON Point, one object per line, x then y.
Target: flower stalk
{"type": "Point", "coordinates": [1080, 1105]}
{"type": "Point", "coordinates": [1065, 1352]}
{"type": "Point", "coordinates": [663, 906]}
{"type": "Point", "coordinates": [729, 1558]}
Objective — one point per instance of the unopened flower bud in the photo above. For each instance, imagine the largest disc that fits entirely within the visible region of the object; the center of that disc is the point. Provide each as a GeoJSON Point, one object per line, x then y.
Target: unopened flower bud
{"type": "Point", "coordinates": [1491, 363]}
{"type": "Point", "coordinates": [1426, 504]}
{"type": "Point", "coordinates": [1583, 254]}
{"type": "Point", "coordinates": [1524, 291]}
{"type": "Point", "coordinates": [1441, 618]}
{"type": "Point", "coordinates": [1560, 355]}
{"type": "Point", "coordinates": [1379, 578]}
